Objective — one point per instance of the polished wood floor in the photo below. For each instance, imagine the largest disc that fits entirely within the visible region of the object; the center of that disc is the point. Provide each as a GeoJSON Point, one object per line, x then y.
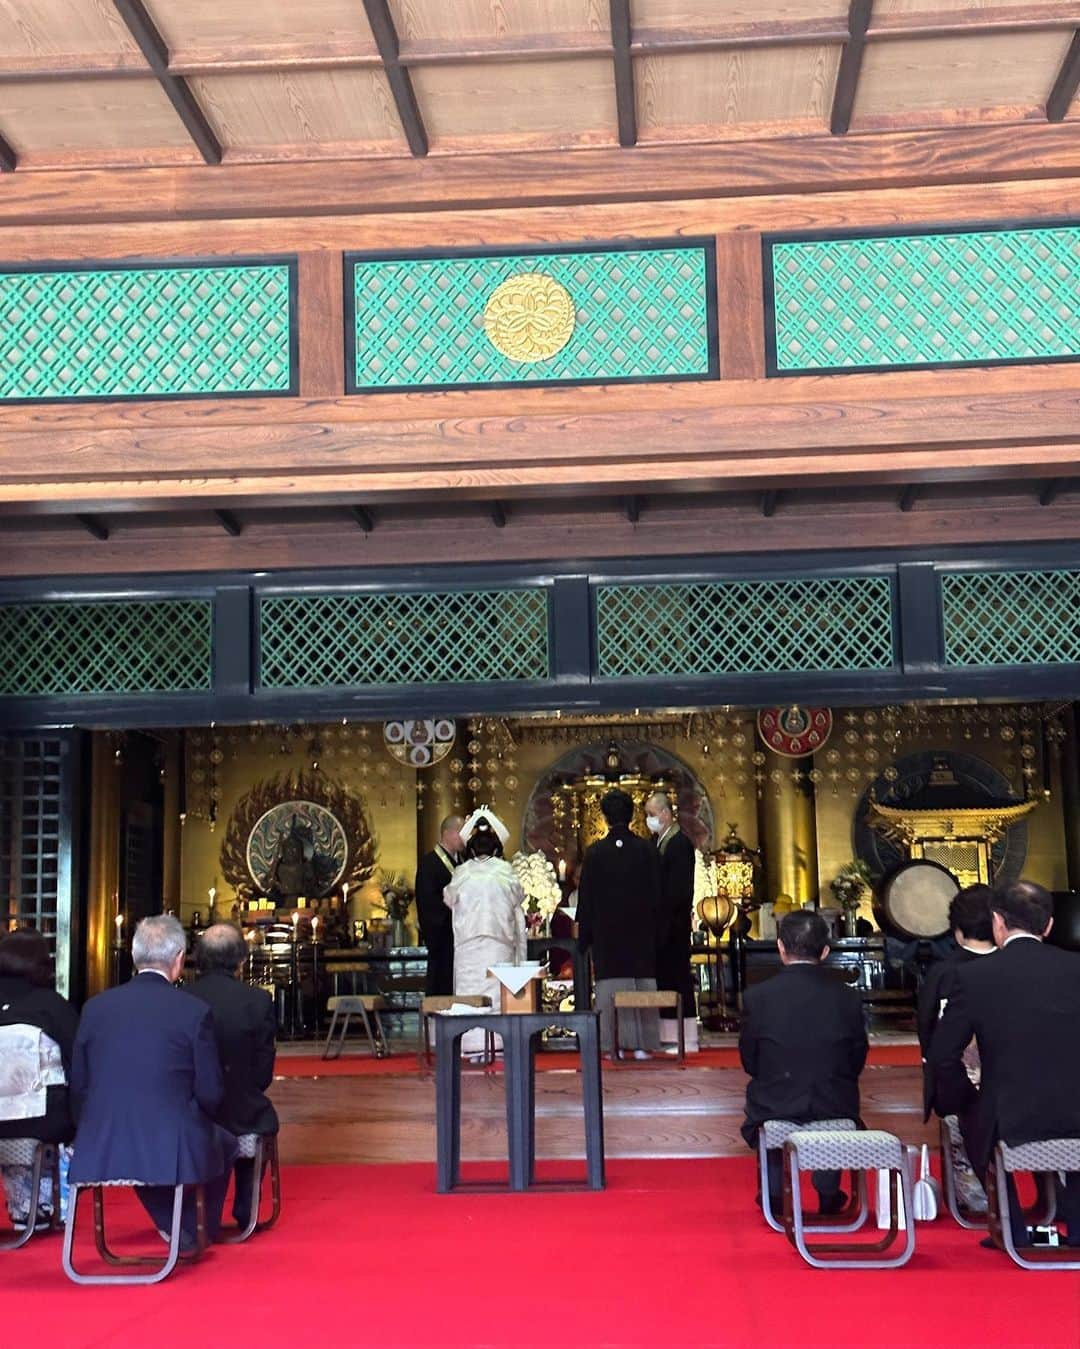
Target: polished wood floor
{"type": "Point", "coordinates": [660, 1111]}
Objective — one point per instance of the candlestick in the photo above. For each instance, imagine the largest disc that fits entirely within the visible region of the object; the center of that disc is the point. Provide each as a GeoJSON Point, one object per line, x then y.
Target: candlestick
{"type": "Point", "coordinates": [315, 928]}
{"type": "Point", "coordinates": [295, 921]}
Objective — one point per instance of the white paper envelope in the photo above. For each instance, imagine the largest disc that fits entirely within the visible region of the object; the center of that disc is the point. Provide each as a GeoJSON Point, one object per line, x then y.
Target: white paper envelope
{"type": "Point", "coordinates": [515, 977]}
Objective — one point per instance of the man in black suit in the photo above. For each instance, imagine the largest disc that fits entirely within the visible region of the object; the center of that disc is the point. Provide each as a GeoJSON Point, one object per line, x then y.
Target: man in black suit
{"type": "Point", "coordinates": [803, 1043]}
{"type": "Point", "coordinates": [436, 922]}
{"type": "Point", "coordinates": [673, 970]}
{"type": "Point", "coordinates": [245, 1025]}
{"type": "Point", "coordinates": [1023, 1008]}
{"type": "Point", "coordinates": [972, 926]}
{"type": "Point", "coordinates": [618, 918]}
{"type": "Point", "coordinates": [145, 1082]}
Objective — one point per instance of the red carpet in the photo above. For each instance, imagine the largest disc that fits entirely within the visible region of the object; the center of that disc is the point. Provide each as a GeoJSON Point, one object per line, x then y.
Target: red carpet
{"type": "Point", "coordinates": [359, 1063]}
{"type": "Point", "coordinates": [672, 1253]}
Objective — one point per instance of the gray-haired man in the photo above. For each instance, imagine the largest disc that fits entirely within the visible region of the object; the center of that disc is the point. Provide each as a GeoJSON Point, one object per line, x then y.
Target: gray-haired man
{"type": "Point", "coordinates": [145, 1082]}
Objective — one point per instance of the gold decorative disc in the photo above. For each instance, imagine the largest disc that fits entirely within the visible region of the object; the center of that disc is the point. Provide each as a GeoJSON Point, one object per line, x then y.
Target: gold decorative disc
{"type": "Point", "coordinates": [529, 317]}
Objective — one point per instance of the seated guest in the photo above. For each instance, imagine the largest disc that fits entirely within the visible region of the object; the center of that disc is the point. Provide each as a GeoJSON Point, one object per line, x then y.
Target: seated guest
{"type": "Point", "coordinates": [973, 931]}
{"type": "Point", "coordinates": [245, 1025]}
{"type": "Point", "coordinates": [146, 1082]}
{"type": "Point", "coordinates": [803, 1042]}
{"type": "Point", "coordinates": [485, 898]}
{"type": "Point", "coordinates": [1023, 1009]}
{"type": "Point", "coordinates": [37, 1032]}
{"type": "Point", "coordinates": [619, 919]}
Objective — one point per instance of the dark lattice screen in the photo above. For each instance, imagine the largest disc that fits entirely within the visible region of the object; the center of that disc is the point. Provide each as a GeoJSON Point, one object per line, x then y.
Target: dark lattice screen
{"type": "Point", "coordinates": [35, 841]}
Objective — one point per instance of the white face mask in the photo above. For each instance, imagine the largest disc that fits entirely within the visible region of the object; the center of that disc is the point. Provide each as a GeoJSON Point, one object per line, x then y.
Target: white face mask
{"type": "Point", "coordinates": [653, 825]}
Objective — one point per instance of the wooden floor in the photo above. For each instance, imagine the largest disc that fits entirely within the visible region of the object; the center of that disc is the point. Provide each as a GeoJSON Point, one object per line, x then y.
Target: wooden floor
{"type": "Point", "coordinates": [661, 1111]}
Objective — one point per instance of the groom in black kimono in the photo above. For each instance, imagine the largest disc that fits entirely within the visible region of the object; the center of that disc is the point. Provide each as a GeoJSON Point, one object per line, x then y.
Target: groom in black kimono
{"type": "Point", "coordinates": [673, 971]}
{"type": "Point", "coordinates": [436, 930]}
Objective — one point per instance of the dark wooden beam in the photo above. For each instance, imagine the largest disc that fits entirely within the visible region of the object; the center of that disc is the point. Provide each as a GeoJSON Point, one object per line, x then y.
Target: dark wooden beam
{"type": "Point", "coordinates": [909, 496]}
{"type": "Point", "coordinates": [386, 39]}
{"type": "Point", "coordinates": [98, 529]}
{"type": "Point", "coordinates": [633, 509]}
{"type": "Point", "coordinates": [624, 72]}
{"type": "Point", "coordinates": [769, 501]}
{"type": "Point", "coordinates": [363, 518]}
{"type": "Point", "coordinates": [1050, 490]}
{"type": "Point", "coordinates": [498, 514]}
{"type": "Point", "coordinates": [8, 158]}
{"type": "Point", "coordinates": [1066, 84]}
{"type": "Point", "coordinates": [847, 77]}
{"type": "Point", "coordinates": [176, 90]}
{"type": "Point", "coordinates": [229, 523]}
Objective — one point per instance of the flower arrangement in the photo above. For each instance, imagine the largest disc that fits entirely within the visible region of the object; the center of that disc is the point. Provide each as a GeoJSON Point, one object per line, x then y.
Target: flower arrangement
{"type": "Point", "coordinates": [397, 895]}
{"type": "Point", "coordinates": [851, 883]}
{"type": "Point", "coordinates": [705, 878]}
{"type": "Point", "coordinates": [537, 878]}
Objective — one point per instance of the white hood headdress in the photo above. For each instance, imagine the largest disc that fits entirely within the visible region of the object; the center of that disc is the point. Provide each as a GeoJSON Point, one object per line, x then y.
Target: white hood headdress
{"type": "Point", "coordinates": [485, 813]}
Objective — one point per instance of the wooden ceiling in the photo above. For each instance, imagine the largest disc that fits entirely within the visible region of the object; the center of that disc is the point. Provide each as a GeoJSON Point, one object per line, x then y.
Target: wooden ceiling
{"type": "Point", "coordinates": [100, 83]}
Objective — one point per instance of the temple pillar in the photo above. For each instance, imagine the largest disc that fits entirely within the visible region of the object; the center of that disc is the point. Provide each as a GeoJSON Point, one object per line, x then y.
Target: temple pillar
{"type": "Point", "coordinates": [1070, 795]}
{"type": "Point", "coordinates": [787, 828]}
{"type": "Point", "coordinates": [103, 882]}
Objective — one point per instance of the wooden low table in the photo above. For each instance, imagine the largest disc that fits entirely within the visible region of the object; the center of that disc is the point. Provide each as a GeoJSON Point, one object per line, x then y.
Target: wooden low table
{"type": "Point", "coordinates": [520, 1032]}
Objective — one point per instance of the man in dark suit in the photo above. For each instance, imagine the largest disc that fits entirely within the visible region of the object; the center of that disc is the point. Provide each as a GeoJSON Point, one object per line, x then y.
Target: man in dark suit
{"type": "Point", "coordinates": [972, 927]}
{"type": "Point", "coordinates": [245, 1025]}
{"type": "Point", "coordinates": [145, 1082]}
{"type": "Point", "coordinates": [803, 1043]}
{"type": "Point", "coordinates": [1023, 1008]}
{"type": "Point", "coordinates": [673, 970]}
{"type": "Point", "coordinates": [618, 919]}
{"type": "Point", "coordinates": [436, 922]}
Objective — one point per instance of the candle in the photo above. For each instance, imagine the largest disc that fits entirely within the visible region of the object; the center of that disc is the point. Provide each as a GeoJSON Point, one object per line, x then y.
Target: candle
{"type": "Point", "coordinates": [213, 897]}
{"type": "Point", "coordinates": [315, 927]}
{"type": "Point", "coordinates": [119, 920]}
{"type": "Point", "coordinates": [345, 892]}
{"type": "Point", "coordinates": [562, 868]}
{"type": "Point", "coordinates": [295, 920]}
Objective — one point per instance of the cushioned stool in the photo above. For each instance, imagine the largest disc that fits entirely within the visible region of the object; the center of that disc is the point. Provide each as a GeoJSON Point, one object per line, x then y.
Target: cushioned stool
{"type": "Point", "coordinates": [263, 1150]}
{"type": "Point", "coordinates": [365, 1005]}
{"type": "Point", "coordinates": [960, 1213]}
{"type": "Point", "coordinates": [847, 1150]}
{"type": "Point", "coordinates": [43, 1159]}
{"type": "Point", "coordinates": [163, 1268]}
{"type": "Point", "coordinates": [442, 1002]}
{"type": "Point", "coordinates": [630, 1001]}
{"type": "Point", "coordinates": [774, 1133]}
{"type": "Point", "coordinates": [1048, 1155]}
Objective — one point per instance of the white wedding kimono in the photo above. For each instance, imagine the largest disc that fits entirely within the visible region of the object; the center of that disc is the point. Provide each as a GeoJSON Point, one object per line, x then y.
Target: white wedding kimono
{"type": "Point", "coordinates": [484, 897]}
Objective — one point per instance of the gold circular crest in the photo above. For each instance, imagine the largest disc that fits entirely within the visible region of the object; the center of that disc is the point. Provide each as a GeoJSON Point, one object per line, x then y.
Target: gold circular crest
{"type": "Point", "coordinates": [529, 317]}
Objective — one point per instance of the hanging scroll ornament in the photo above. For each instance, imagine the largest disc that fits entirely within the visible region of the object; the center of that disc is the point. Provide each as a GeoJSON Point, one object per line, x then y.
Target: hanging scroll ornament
{"type": "Point", "coordinates": [794, 731]}
{"type": "Point", "coordinates": [419, 743]}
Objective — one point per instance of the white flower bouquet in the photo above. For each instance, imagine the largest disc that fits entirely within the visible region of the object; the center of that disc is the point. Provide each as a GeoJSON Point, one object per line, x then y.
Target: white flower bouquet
{"type": "Point", "coordinates": [537, 878]}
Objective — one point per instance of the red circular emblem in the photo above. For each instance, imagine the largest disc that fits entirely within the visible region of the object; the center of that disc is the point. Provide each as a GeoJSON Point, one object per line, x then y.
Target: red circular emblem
{"type": "Point", "coordinates": [795, 731]}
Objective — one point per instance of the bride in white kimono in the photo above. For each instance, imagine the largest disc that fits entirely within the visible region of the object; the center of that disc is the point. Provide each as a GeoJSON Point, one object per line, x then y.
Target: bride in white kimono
{"type": "Point", "coordinates": [485, 900]}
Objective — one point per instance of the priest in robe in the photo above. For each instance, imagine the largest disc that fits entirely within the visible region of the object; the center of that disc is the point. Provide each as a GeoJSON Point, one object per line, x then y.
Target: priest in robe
{"type": "Point", "coordinates": [486, 901]}
{"type": "Point", "coordinates": [673, 969]}
{"type": "Point", "coordinates": [436, 929]}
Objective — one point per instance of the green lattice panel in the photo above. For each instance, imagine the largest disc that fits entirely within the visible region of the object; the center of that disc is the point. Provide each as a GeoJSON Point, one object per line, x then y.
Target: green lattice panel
{"type": "Point", "coordinates": [745, 627]}
{"type": "Point", "coordinates": [1011, 617]}
{"type": "Point", "coordinates": [149, 332]}
{"type": "Point", "coordinates": [466, 636]}
{"type": "Point", "coordinates": [68, 647]}
{"type": "Point", "coordinates": [918, 299]}
{"type": "Point", "coordinates": [640, 314]}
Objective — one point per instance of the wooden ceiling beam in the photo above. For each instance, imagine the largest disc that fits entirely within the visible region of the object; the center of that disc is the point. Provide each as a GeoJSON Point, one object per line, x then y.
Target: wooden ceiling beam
{"type": "Point", "coordinates": [836, 167]}
{"type": "Point", "coordinates": [96, 528]}
{"type": "Point", "coordinates": [624, 72]}
{"type": "Point", "coordinates": [1066, 84]}
{"type": "Point", "coordinates": [176, 89]}
{"type": "Point", "coordinates": [401, 87]}
{"type": "Point", "coordinates": [847, 77]}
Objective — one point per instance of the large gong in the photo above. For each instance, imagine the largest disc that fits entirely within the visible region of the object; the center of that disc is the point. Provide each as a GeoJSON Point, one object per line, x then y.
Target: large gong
{"type": "Point", "coordinates": [913, 901]}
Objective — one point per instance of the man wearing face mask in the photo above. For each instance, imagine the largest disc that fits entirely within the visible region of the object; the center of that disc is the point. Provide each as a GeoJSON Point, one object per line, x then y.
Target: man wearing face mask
{"type": "Point", "coordinates": [673, 971]}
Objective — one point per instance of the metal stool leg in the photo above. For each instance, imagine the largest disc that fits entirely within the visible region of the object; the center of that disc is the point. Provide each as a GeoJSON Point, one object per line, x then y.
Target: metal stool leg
{"type": "Point", "coordinates": [330, 1036]}
{"type": "Point", "coordinates": [36, 1169]}
{"type": "Point", "coordinates": [164, 1270]}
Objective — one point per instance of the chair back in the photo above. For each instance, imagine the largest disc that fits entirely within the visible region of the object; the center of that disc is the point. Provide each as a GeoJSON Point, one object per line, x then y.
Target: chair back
{"type": "Point", "coordinates": [30, 1063]}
